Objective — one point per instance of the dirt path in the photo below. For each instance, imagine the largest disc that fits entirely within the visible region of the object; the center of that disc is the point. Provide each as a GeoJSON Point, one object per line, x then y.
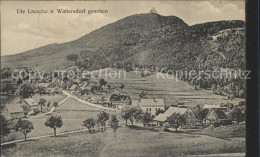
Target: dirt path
{"type": "Point", "coordinates": [85, 102]}
{"type": "Point", "coordinates": [51, 110]}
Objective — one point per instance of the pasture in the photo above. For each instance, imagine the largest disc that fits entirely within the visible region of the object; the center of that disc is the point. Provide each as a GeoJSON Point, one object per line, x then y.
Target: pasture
{"type": "Point", "coordinates": [129, 142]}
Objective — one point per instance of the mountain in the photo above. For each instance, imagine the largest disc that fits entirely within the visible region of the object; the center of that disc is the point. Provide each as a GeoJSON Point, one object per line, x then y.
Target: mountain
{"type": "Point", "coordinates": [142, 39]}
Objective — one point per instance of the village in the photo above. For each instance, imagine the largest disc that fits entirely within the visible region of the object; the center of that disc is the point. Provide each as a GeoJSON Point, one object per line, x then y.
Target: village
{"type": "Point", "coordinates": [146, 99]}
{"type": "Point", "coordinates": [38, 98]}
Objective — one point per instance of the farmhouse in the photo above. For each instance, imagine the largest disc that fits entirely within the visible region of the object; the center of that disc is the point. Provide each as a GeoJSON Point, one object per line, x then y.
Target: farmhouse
{"type": "Point", "coordinates": [191, 118]}
{"type": "Point", "coordinates": [30, 103]}
{"type": "Point", "coordinates": [119, 100]}
{"type": "Point", "coordinates": [216, 117]}
{"type": "Point", "coordinates": [152, 105]}
{"type": "Point", "coordinates": [162, 118]}
{"type": "Point", "coordinates": [74, 87]}
{"type": "Point", "coordinates": [12, 111]}
{"type": "Point", "coordinates": [175, 110]}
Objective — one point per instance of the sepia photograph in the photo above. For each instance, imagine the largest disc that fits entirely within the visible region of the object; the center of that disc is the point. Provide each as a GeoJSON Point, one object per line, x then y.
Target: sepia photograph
{"type": "Point", "coordinates": [123, 78]}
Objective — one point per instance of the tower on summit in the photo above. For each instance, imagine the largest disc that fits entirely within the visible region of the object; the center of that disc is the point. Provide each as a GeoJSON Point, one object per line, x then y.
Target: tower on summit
{"type": "Point", "coordinates": [153, 11]}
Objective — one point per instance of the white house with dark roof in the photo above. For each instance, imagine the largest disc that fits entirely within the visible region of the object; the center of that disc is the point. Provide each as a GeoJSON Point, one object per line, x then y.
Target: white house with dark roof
{"type": "Point", "coordinates": [152, 105]}
{"type": "Point", "coordinates": [120, 100]}
{"type": "Point", "coordinates": [30, 102]}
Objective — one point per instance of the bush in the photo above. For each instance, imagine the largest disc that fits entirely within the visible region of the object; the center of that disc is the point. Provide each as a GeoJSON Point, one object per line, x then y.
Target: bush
{"type": "Point", "coordinates": [72, 57]}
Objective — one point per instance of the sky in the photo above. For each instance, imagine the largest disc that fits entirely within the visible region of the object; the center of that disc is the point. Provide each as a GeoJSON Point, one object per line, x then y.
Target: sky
{"type": "Point", "coordinates": [22, 32]}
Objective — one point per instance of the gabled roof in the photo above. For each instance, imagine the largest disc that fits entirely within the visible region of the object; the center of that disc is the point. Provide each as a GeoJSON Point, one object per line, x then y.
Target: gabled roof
{"type": "Point", "coordinates": [135, 102]}
{"type": "Point", "coordinates": [175, 110]}
{"type": "Point", "coordinates": [46, 85]}
{"type": "Point", "coordinates": [118, 97]}
{"type": "Point", "coordinates": [152, 103]}
{"type": "Point", "coordinates": [211, 106]}
{"type": "Point", "coordinates": [220, 114]}
{"type": "Point", "coordinates": [14, 108]}
{"type": "Point", "coordinates": [73, 87]}
{"type": "Point", "coordinates": [161, 118]}
{"type": "Point", "coordinates": [30, 102]}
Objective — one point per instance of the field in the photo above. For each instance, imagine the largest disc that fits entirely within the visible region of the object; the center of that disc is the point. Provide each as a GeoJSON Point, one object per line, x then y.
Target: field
{"type": "Point", "coordinates": [129, 142]}
{"type": "Point", "coordinates": [223, 132]}
{"type": "Point", "coordinates": [162, 86]}
{"type": "Point", "coordinates": [72, 113]}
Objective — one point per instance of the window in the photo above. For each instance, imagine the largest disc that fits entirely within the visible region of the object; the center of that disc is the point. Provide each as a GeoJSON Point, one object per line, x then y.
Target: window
{"type": "Point", "coordinates": [150, 109]}
{"type": "Point", "coordinates": [155, 109]}
{"type": "Point", "coordinates": [147, 109]}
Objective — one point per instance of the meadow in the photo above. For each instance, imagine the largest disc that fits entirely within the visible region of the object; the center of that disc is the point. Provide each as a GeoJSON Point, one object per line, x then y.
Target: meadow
{"type": "Point", "coordinates": [73, 113]}
{"type": "Point", "coordinates": [163, 86]}
{"type": "Point", "coordinates": [128, 142]}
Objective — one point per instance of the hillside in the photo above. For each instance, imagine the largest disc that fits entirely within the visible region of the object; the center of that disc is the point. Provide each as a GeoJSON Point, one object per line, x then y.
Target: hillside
{"type": "Point", "coordinates": [142, 39]}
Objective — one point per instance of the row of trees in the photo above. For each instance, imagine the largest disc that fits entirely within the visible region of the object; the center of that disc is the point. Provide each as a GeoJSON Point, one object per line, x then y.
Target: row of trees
{"type": "Point", "coordinates": [101, 120]}
{"type": "Point", "coordinates": [26, 126]}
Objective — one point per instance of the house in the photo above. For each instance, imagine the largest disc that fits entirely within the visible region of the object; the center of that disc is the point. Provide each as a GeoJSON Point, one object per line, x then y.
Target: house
{"type": "Point", "coordinates": [12, 111]}
{"type": "Point", "coordinates": [120, 100]}
{"type": "Point", "coordinates": [215, 117]}
{"type": "Point", "coordinates": [162, 118]}
{"type": "Point", "coordinates": [153, 11]}
{"type": "Point", "coordinates": [175, 110]}
{"type": "Point", "coordinates": [206, 106]}
{"type": "Point", "coordinates": [152, 105]}
{"type": "Point", "coordinates": [191, 118]}
{"type": "Point", "coordinates": [74, 87]}
{"type": "Point", "coordinates": [135, 102]}
{"type": "Point", "coordinates": [31, 104]}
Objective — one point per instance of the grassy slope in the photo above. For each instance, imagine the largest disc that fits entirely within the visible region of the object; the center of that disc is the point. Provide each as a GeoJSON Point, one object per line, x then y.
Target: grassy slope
{"type": "Point", "coordinates": [128, 142]}
{"type": "Point", "coordinates": [139, 38]}
{"type": "Point", "coordinates": [223, 132]}
{"type": "Point", "coordinates": [168, 88]}
{"type": "Point", "coordinates": [72, 113]}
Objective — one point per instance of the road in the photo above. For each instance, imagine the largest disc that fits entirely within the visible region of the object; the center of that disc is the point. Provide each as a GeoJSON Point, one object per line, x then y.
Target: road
{"type": "Point", "coordinates": [51, 110]}
{"type": "Point", "coordinates": [85, 102]}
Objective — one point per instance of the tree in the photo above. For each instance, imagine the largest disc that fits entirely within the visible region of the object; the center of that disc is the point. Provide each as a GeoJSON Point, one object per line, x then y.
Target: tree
{"type": "Point", "coordinates": [237, 115]}
{"type": "Point", "coordinates": [176, 120]}
{"type": "Point", "coordinates": [41, 90]}
{"type": "Point", "coordinates": [5, 72]}
{"type": "Point", "coordinates": [130, 113]}
{"type": "Point", "coordinates": [99, 121]}
{"type": "Point", "coordinates": [114, 123]}
{"type": "Point", "coordinates": [54, 122]}
{"type": "Point", "coordinates": [42, 102]}
{"type": "Point", "coordinates": [24, 126]}
{"type": "Point", "coordinates": [182, 120]}
{"type": "Point", "coordinates": [202, 113]}
{"type": "Point", "coordinates": [102, 82]}
{"type": "Point", "coordinates": [55, 104]}
{"type": "Point", "coordinates": [25, 110]}
{"type": "Point", "coordinates": [72, 57]}
{"type": "Point", "coordinates": [48, 105]}
{"type": "Point", "coordinates": [20, 81]}
{"type": "Point", "coordinates": [159, 112]}
{"type": "Point", "coordinates": [125, 114]}
{"type": "Point", "coordinates": [109, 86]}
{"type": "Point", "coordinates": [122, 86]}
{"type": "Point", "coordinates": [90, 123]}
{"type": "Point", "coordinates": [4, 127]}
{"type": "Point", "coordinates": [146, 118]}
{"type": "Point", "coordinates": [135, 112]}
{"type": "Point", "coordinates": [25, 91]}
{"type": "Point", "coordinates": [142, 94]}
{"type": "Point", "coordinates": [102, 118]}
